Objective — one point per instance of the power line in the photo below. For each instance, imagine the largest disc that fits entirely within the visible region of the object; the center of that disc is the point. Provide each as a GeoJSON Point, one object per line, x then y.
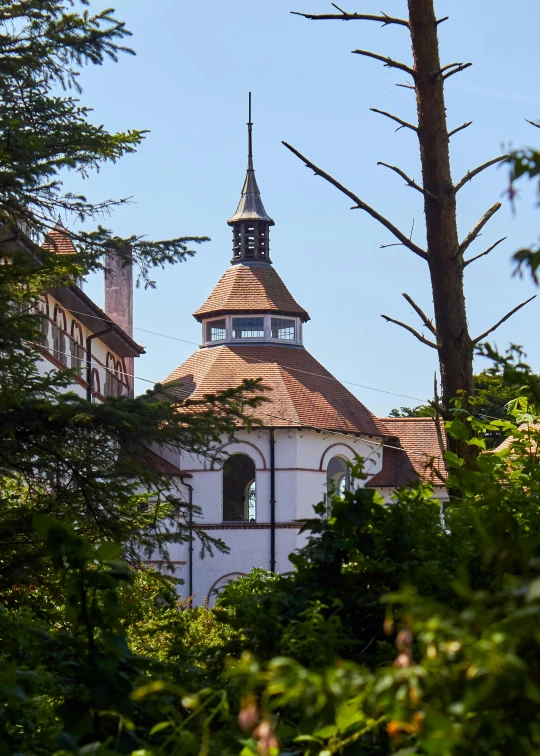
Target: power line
{"type": "Point", "coordinates": [254, 359]}
{"type": "Point", "coordinates": [294, 423]}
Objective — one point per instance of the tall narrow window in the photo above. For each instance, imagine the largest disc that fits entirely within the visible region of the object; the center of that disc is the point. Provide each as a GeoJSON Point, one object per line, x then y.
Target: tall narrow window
{"type": "Point", "coordinates": [248, 328]}
{"type": "Point", "coordinates": [216, 330]}
{"type": "Point", "coordinates": [96, 387]}
{"type": "Point", "coordinates": [112, 384]}
{"type": "Point", "coordinates": [42, 309]}
{"type": "Point", "coordinates": [283, 329]}
{"type": "Point", "coordinates": [239, 489]}
{"type": "Point", "coordinates": [337, 476]}
{"type": "Point", "coordinates": [59, 335]}
{"type": "Point", "coordinates": [77, 351]}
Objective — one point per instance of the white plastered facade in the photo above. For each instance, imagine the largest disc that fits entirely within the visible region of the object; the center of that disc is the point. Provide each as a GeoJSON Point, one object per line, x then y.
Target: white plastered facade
{"type": "Point", "coordinates": [301, 462]}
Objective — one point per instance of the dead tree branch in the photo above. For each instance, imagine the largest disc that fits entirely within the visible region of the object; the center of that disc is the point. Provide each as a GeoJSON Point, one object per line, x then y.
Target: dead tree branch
{"type": "Point", "coordinates": [468, 262]}
{"type": "Point", "coordinates": [436, 74]}
{"type": "Point", "coordinates": [471, 236]}
{"type": "Point", "coordinates": [423, 317]}
{"type": "Point", "coordinates": [471, 174]}
{"type": "Point", "coordinates": [345, 16]}
{"type": "Point", "coordinates": [411, 330]}
{"type": "Point", "coordinates": [459, 128]}
{"type": "Point", "coordinates": [388, 62]}
{"type": "Point", "coordinates": [408, 180]}
{"type": "Point", "coordinates": [361, 205]}
{"type": "Point", "coordinates": [460, 67]}
{"type": "Point", "coordinates": [502, 320]}
{"type": "Point", "coordinates": [404, 124]}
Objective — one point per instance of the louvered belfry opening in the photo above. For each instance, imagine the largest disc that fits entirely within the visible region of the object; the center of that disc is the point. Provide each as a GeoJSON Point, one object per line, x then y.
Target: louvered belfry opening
{"type": "Point", "coordinates": [251, 241]}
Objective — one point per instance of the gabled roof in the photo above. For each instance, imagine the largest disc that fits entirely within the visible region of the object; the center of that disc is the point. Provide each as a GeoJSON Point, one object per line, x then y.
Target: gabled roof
{"type": "Point", "coordinates": [303, 393]}
{"type": "Point", "coordinates": [250, 288]}
{"type": "Point", "coordinates": [418, 438]}
{"type": "Point", "coordinates": [59, 241]}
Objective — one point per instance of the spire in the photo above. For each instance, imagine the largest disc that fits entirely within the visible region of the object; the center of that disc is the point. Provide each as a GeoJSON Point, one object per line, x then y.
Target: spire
{"type": "Point", "coordinates": [250, 223]}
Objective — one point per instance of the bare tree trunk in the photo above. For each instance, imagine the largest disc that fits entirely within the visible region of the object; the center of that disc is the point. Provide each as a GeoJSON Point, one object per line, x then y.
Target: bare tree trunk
{"type": "Point", "coordinates": [445, 262]}
{"type": "Point", "coordinates": [445, 254]}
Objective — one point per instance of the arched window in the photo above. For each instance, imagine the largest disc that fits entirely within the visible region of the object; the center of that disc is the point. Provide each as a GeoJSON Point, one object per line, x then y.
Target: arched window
{"type": "Point", "coordinates": [112, 384]}
{"type": "Point", "coordinates": [77, 351]}
{"type": "Point", "coordinates": [239, 489]}
{"type": "Point", "coordinates": [338, 479]}
{"type": "Point", "coordinates": [59, 335]}
{"type": "Point", "coordinates": [96, 387]}
{"type": "Point", "coordinates": [123, 386]}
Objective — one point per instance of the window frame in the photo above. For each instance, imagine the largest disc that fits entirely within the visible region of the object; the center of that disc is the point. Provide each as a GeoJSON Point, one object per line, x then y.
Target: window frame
{"type": "Point", "coordinates": [266, 332]}
{"type": "Point", "coordinates": [246, 491]}
{"type": "Point", "coordinates": [208, 323]}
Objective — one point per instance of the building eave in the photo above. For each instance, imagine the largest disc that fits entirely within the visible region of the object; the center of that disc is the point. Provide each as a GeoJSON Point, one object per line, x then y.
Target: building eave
{"type": "Point", "coordinates": [95, 319]}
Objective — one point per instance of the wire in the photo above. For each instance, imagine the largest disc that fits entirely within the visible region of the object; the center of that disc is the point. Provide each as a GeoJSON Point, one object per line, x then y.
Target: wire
{"type": "Point", "coordinates": [254, 359]}
{"type": "Point", "coordinates": [295, 423]}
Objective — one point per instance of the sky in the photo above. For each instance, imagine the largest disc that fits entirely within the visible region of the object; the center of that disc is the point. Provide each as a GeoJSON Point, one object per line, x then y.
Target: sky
{"type": "Point", "coordinates": [188, 85]}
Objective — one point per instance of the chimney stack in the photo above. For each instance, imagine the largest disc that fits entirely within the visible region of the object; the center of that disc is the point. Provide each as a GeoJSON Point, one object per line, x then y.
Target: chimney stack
{"type": "Point", "coordinates": [119, 299]}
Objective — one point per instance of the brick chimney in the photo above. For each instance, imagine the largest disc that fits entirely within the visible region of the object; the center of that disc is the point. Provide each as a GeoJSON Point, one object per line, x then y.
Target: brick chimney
{"type": "Point", "coordinates": [119, 299]}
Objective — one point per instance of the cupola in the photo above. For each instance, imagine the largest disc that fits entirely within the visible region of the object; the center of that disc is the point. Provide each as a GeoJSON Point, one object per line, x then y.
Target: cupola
{"type": "Point", "coordinates": [251, 223]}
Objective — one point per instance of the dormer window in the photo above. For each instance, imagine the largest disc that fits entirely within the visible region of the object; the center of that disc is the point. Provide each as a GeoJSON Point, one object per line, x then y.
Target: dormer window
{"type": "Point", "coordinates": [248, 328]}
{"type": "Point", "coordinates": [284, 329]}
{"type": "Point", "coordinates": [216, 330]}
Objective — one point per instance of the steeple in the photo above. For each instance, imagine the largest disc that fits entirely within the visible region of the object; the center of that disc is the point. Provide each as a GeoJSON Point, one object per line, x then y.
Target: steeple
{"type": "Point", "coordinates": [250, 223]}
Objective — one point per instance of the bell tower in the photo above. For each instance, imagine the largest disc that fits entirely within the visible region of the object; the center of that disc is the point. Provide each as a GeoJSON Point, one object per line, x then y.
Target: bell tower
{"type": "Point", "coordinates": [250, 223]}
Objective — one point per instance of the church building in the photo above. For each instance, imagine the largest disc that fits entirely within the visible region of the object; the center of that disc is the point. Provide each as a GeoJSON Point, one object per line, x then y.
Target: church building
{"type": "Point", "coordinates": [253, 490]}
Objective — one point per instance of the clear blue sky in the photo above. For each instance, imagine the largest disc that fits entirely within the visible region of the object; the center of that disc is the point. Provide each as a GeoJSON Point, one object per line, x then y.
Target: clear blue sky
{"type": "Point", "coordinates": [188, 85]}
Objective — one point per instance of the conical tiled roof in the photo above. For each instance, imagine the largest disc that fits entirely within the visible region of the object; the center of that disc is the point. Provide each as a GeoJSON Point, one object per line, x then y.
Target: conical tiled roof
{"type": "Point", "coordinates": [250, 288]}
{"type": "Point", "coordinates": [303, 393]}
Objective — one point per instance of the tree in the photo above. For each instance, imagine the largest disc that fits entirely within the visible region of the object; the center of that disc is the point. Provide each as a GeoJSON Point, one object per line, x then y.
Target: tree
{"type": "Point", "coordinates": [445, 252]}
{"type": "Point", "coordinates": [492, 400]}
{"type": "Point", "coordinates": [61, 455]}
{"type": "Point", "coordinates": [45, 130]}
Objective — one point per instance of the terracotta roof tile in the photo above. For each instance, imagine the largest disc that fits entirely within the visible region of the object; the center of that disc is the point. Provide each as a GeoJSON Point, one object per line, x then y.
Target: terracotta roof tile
{"type": "Point", "coordinates": [397, 469]}
{"type": "Point", "coordinates": [418, 437]}
{"type": "Point", "coordinates": [302, 392]}
{"type": "Point", "coordinates": [510, 440]}
{"type": "Point", "coordinates": [250, 288]}
{"type": "Point", "coordinates": [57, 240]}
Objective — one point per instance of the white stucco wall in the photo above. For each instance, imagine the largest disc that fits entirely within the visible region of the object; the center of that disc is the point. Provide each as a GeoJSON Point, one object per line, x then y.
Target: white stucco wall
{"type": "Point", "coordinates": [301, 460]}
{"type": "Point", "coordinates": [100, 350]}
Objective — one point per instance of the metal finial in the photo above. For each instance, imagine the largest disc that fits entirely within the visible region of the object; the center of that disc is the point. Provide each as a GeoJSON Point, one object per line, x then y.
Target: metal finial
{"type": "Point", "coordinates": [250, 207]}
{"type": "Point", "coordinates": [250, 140]}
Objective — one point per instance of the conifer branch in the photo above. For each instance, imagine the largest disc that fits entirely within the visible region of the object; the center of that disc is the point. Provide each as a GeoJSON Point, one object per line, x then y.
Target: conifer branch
{"type": "Point", "coordinates": [408, 180]}
{"type": "Point", "coordinates": [471, 174]}
{"type": "Point", "coordinates": [388, 62]}
{"type": "Point", "coordinates": [459, 128]}
{"type": "Point", "coordinates": [502, 320]}
{"type": "Point", "coordinates": [471, 236]}
{"type": "Point", "coordinates": [468, 262]}
{"type": "Point", "coordinates": [360, 204]}
{"type": "Point", "coordinates": [345, 16]}
{"type": "Point", "coordinates": [411, 330]}
{"type": "Point", "coordinates": [423, 317]}
{"type": "Point", "coordinates": [404, 124]}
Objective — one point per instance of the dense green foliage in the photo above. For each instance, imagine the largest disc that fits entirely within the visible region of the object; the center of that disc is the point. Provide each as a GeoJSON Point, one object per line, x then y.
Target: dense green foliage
{"type": "Point", "coordinates": [401, 629]}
